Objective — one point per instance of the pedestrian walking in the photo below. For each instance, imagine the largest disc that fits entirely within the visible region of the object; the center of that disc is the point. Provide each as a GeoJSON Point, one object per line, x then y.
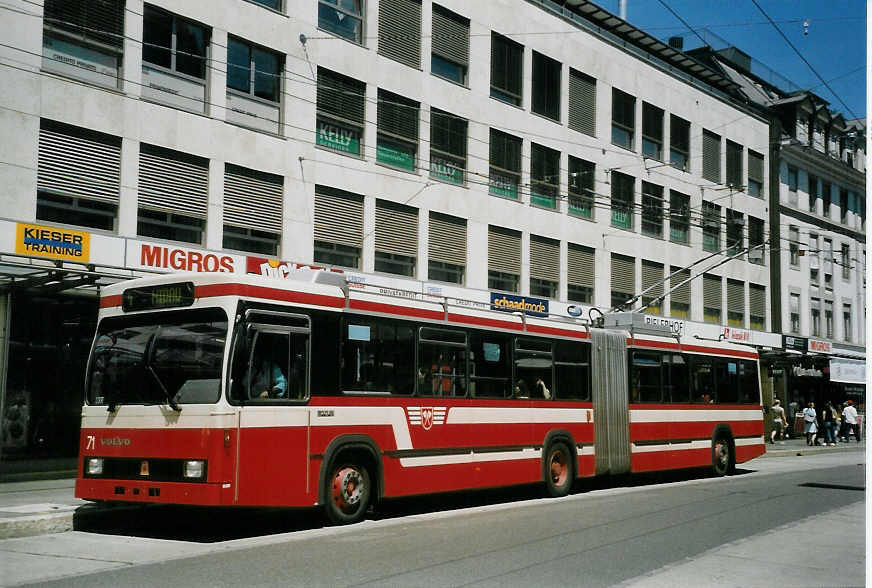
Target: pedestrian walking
{"type": "Point", "coordinates": [778, 421]}
{"type": "Point", "coordinates": [828, 419]}
{"type": "Point", "coordinates": [809, 417]}
{"type": "Point", "coordinates": [849, 416]}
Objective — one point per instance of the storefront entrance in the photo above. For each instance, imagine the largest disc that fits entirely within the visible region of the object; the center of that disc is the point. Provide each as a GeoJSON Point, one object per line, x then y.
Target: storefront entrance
{"type": "Point", "coordinates": [50, 336]}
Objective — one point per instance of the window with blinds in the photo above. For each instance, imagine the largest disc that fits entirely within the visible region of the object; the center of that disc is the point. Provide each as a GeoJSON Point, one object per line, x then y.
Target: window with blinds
{"type": "Point", "coordinates": [84, 39]}
{"type": "Point", "coordinates": [503, 258]}
{"type": "Point", "coordinates": [399, 31]}
{"type": "Point", "coordinates": [712, 294]}
{"type": "Point", "coordinates": [507, 65]}
{"type": "Point", "coordinates": [793, 243]}
{"type": "Point", "coordinates": [623, 281]}
{"type": "Point", "coordinates": [711, 227]}
{"type": "Point", "coordinates": [174, 52]}
{"type": "Point", "coordinates": [173, 194]}
{"type": "Point", "coordinates": [544, 176]}
{"type": "Point", "coordinates": [756, 251]}
{"type": "Point", "coordinates": [735, 231]}
{"type": "Point", "coordinates": [679, 143]}
{"type": "Point", "coordinates": [397, 143]}
{"type": "Point", "coordinates": [794, 312]}
{"type": "Point", "coordinates": [652, 131]}
{"type": "Point", "coordinates": [450, 42]}
{"type": "Point", "coordinates": [623, 119]}
{"type": "Point", "coordinates": [622, 200]}
{"type": "Point", "coordinates": [546, 86]}
{"type": "Point", "coordinates": [734, 164]}
{"type": "Point", "coordinates": [652, 210]}
{"type": "Point", "coordinates": [447, 147]}
{"type": "Point", "coordinates": [581, 182]}
{"type": "Point", "coordinates": [735, 303]}
{"type": "Point", "coordinates": [679, 217]}
{"type": "Point", "coordinates": [505, 164]}
{"type": "Point", "coordinates": [755, 174]}
{"type": "Point", "coordinates": [711, 156]}
{"type": "Point", "coordinates": [580, 273]}
{"type": "Point", "coordinates": [342, 18]}
{"type": "Point", "coordinates": [396, 238]}
{"type": "Point", "coordinates": [338, 227]}
{"type": "Point", "coordinates": [582, 103]}
{"type": "Point", "coordinates": [814, 192]}
{"type": "Point", "coordinates": [679, 295]}
{"type": "Point", "coordinates": [78, 178]}
{"type": "Point", "coordinates": [252, 210]}
{"type": "Point", "coordinates": [652, 277]}
{"type": "Point", "coordinates": [341, 111]}
{"type": "Point", "coordinates": [447, 248]}
{"type": "Point", "coordinates": [757, 307]}
{"type": "Point", "coordinates": [544, 266]}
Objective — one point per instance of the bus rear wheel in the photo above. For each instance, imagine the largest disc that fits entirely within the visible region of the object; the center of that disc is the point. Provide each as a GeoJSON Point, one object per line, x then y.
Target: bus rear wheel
{"type": "Point", "coordinates": [559, 470]}
{"type": "Point", "coordinates": [348, 494]}
{"type": "Point", "coordinates": [722, 455]}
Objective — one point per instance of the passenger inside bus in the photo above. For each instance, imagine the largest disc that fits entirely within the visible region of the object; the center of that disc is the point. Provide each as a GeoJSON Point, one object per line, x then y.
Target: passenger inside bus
{"type": "Point", "coordinates": [268, 381]}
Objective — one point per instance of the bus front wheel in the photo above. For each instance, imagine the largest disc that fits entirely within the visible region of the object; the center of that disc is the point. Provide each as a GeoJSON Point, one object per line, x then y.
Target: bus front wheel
{"type": "Point", "coordinates": [348, 493]}
{"type": "Point", "coordinates": [559, 470]}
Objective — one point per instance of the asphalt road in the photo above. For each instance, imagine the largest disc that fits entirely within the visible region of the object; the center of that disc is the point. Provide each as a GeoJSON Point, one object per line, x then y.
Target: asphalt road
{"type": "Point", "coordinates": [607, 534]}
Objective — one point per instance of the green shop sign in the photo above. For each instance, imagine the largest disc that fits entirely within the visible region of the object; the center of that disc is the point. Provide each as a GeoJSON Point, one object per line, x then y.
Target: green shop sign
{"type": "Point", "coordinates": [503, 186]}
{"type": "Point", "coordinates": [338, 138]}
{"type": "Point", "coordinates": [445, 170]}
{"type": "Point", "coordinates": [544, 200]}
{"type": "Point", "coordinates": [395, 155]}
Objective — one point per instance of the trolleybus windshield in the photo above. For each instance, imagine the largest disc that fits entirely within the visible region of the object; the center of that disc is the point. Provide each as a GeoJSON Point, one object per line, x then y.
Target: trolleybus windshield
{"type": "Point", "coordinates": [158, 358]}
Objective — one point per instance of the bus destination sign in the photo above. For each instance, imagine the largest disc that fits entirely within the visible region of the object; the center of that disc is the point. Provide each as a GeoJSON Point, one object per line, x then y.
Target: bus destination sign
{"type": "Point", "coordinates": [158, 297]}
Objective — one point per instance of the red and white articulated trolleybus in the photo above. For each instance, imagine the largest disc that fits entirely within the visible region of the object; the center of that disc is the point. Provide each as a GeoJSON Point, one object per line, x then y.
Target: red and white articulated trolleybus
{"type": "Point", "coordinates": [223, 389]}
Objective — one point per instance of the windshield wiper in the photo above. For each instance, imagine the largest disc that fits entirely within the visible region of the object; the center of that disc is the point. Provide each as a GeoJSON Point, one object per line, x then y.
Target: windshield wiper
{"type": "Point", "coordinates": [149, 349]}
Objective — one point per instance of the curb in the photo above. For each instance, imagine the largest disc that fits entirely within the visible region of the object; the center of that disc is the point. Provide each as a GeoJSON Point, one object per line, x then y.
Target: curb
{"type": "Point", "coordinates": [42, 524]}
{"type": "Point", "coordinates": [799, 451]}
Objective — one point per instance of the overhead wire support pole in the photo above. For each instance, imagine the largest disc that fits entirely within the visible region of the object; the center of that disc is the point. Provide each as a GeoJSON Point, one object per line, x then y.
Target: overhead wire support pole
{"type": "Point", "coordinates": [662, 297]}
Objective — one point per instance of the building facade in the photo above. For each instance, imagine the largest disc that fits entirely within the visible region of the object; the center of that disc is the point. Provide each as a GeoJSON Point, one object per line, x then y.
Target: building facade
{"type": "Point", "coordinates": [818, 212]}
{"type": "Point", "coordinates": [401, 141]}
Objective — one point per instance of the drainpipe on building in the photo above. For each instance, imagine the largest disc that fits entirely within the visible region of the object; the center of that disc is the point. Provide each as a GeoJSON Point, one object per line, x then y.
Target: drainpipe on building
{"type": "Point", "coordinates": [775, 221]}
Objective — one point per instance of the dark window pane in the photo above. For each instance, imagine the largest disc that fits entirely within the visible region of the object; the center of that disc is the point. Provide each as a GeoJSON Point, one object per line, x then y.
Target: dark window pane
{"type": "Point", "coordinates": [238, 65]}
{"type": "Point", "coordinates": [157, 37]}
{"type": "Point", "coordinates": [266, 75]}
{"type": "Point", "coordinates": [190, 49]}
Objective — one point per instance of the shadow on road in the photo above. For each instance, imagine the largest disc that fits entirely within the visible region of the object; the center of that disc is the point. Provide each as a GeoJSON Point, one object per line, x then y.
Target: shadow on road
{"type": "Point", "coordinates": [214, 524]}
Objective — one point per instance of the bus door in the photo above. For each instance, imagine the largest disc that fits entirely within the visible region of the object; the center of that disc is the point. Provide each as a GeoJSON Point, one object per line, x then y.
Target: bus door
{"type": "Point", "coordinates": [610, 401]}
{"type": "Point", "coordinates": [271, 385]}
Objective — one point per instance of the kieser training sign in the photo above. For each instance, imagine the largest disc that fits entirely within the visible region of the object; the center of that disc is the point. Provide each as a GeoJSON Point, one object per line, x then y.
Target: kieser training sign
{"type": "Point", "coordinates": [52, 242]}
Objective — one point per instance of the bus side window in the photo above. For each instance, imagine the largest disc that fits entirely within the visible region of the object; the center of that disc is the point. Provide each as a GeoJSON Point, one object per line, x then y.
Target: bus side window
{"type": "Point", "coordinates": [441, 362]}
{"type": "Point", "coordinates": [534, 369]}
{"type": "Point", "coordinates": [645, 385]}
{"type": "Point", "coordinates": [572, 369]}
{"type": "Point", "coordinates": [727, 377]}
{"type": "Point", "coordinates": [703, 380]}
{"type": "Point", "coordinates": [750, 383]}
{"type": "Point", "coordinates": [489, 368]}
{"type": "Point", "coordinates": [676, 386]}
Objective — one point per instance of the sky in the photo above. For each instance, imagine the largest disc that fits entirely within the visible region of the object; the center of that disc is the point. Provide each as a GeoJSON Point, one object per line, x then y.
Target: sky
{"type": "Point", "coordinates": [835, 45]}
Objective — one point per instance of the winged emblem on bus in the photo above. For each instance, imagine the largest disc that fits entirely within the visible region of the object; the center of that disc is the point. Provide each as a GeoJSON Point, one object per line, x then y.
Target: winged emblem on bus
{"type": "Point", "coordinates": [427, 416]}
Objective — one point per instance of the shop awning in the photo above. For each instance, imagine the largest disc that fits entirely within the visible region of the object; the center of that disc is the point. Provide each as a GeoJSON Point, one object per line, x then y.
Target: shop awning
{"type": "Point", "coordinates": [847, 371]}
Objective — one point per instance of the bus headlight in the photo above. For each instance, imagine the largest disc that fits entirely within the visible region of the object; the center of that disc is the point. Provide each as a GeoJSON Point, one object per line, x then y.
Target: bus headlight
{"type": "Point", "coordinates": [95, 466]}
{"type": "Point", "coordinates": [195, 468]}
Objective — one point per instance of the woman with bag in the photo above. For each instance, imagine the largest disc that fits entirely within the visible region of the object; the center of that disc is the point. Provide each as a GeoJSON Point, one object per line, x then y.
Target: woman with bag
{"type": "Point", "coordinates": [809, 416]}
